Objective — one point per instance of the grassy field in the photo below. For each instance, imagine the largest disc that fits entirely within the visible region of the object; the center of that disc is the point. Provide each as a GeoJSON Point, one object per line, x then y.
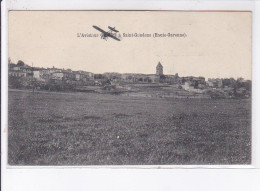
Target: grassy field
{"type": "Point", "coordinates": [94, 129]}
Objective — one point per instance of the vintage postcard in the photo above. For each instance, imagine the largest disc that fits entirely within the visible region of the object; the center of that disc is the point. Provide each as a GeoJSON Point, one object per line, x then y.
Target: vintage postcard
{"type": "Point", "coordinates": [129, 88]}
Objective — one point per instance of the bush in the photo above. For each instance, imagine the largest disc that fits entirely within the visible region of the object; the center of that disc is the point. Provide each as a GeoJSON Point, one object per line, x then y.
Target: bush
{"type": "Point", "coordinates": [216, 94]}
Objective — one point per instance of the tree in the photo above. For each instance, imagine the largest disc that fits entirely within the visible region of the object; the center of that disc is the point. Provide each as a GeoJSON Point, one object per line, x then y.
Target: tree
{"type": "Point", "coordinates": [216, 94]}
{"type": "Point", "coordinates": [20, 63]}
{"type": "Point", "coordinates": [196, 84]}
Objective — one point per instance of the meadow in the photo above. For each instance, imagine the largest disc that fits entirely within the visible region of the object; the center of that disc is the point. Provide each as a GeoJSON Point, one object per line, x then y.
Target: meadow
{"type": "Point", "coordinates": [47, 128]}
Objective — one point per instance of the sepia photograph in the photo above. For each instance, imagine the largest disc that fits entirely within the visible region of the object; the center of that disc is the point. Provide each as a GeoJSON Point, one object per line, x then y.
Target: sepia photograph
{"type": "Point", "coordinates": [111, 88]}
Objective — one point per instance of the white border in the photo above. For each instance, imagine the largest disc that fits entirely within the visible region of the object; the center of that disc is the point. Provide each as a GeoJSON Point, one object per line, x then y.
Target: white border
{"type": "Point", "coordinates": [31, 175]}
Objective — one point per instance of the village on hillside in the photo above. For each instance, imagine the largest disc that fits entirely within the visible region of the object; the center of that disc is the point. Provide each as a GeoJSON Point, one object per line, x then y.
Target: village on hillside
{"type": "Point", "coordinates": [23, 76]}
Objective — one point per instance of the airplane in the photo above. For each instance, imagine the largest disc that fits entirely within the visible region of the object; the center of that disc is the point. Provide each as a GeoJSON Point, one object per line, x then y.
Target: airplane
{"type": "Point", "coordinates": [105, 35]}
{"type": "Point", "coordinates": [113, 29]}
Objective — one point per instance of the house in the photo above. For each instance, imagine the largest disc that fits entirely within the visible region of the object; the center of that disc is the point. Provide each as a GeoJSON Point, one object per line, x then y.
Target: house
{"type": "Point", "coordinates": [57, 76]}
{"type": "Point", "coordinates": [113, 75]}
{"type": "Point", "coordinates": [153, 78]}
{"type": "Point", "coordinates": [16, 73]}
{"type": "Point", "coordinates": [215, 82]}
{"type": "Point", "coordinates": [83, 76]}
{"type": "Point", "coordinates": [53, 70]}
{"type": "Point", "coordinates": [68, 75]}
{"type": "Point", "coordinates": [19, 70]}
{"type": "Point", "coordinates": [187, 85]}
{"type": "Point", "coordinates": [78, 76]}
{"type": "Point", "coordinates": [196, 82]}
{"type": "Point", "coordinates": [41, 74]}
{"type": "Point", "coordinates": [172, 79]}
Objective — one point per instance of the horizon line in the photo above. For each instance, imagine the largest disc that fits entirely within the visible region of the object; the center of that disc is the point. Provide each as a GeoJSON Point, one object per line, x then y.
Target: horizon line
{"type": "Point", "coordinates": [131, 72]}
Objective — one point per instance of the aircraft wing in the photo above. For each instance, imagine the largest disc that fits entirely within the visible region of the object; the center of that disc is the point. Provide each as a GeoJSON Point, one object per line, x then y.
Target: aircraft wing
{"type": "Point", "coordinates": [113, 29]}
{"type": "Point", "coordinates": [112, 36]}
{"type": "Point", "coordinates": [99, 29]}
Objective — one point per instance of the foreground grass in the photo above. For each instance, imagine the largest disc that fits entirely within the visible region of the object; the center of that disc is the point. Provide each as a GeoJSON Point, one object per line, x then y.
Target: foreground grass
{"type": "Point", "coordinates": [95, 129]}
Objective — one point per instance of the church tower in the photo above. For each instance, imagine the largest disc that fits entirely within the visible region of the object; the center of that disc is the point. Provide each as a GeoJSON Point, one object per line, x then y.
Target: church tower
{"type": "Point", "coordinates": [159, 69]}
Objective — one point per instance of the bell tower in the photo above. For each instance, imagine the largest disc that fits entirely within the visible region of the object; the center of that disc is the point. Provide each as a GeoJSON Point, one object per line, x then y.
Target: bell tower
{"type": "Point", "coordinates": [159, 69]}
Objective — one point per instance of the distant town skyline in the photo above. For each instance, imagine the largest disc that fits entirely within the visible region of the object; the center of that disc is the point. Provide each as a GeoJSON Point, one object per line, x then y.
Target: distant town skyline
{"type": "Point", "coordinates": [33, 66]}
{"type": "Point", "coordinates": [218, 44]}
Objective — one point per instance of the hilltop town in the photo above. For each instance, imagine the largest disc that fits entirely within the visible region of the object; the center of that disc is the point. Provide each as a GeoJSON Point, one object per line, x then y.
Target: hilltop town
{"type": "Point", "coordinates": [23, 76]}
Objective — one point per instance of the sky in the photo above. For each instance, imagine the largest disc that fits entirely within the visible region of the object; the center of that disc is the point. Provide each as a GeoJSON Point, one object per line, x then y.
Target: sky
{"type": "Point", "coordinates": [217, 44]}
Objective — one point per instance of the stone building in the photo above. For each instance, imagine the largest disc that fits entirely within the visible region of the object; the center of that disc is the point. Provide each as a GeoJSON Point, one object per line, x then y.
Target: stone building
{"type": "Point", "coordinates": [41, 74]}
{"type": "Point", "coordinates": [16, 70]}
{"type": "Point", "coordinates": [159, 69]}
